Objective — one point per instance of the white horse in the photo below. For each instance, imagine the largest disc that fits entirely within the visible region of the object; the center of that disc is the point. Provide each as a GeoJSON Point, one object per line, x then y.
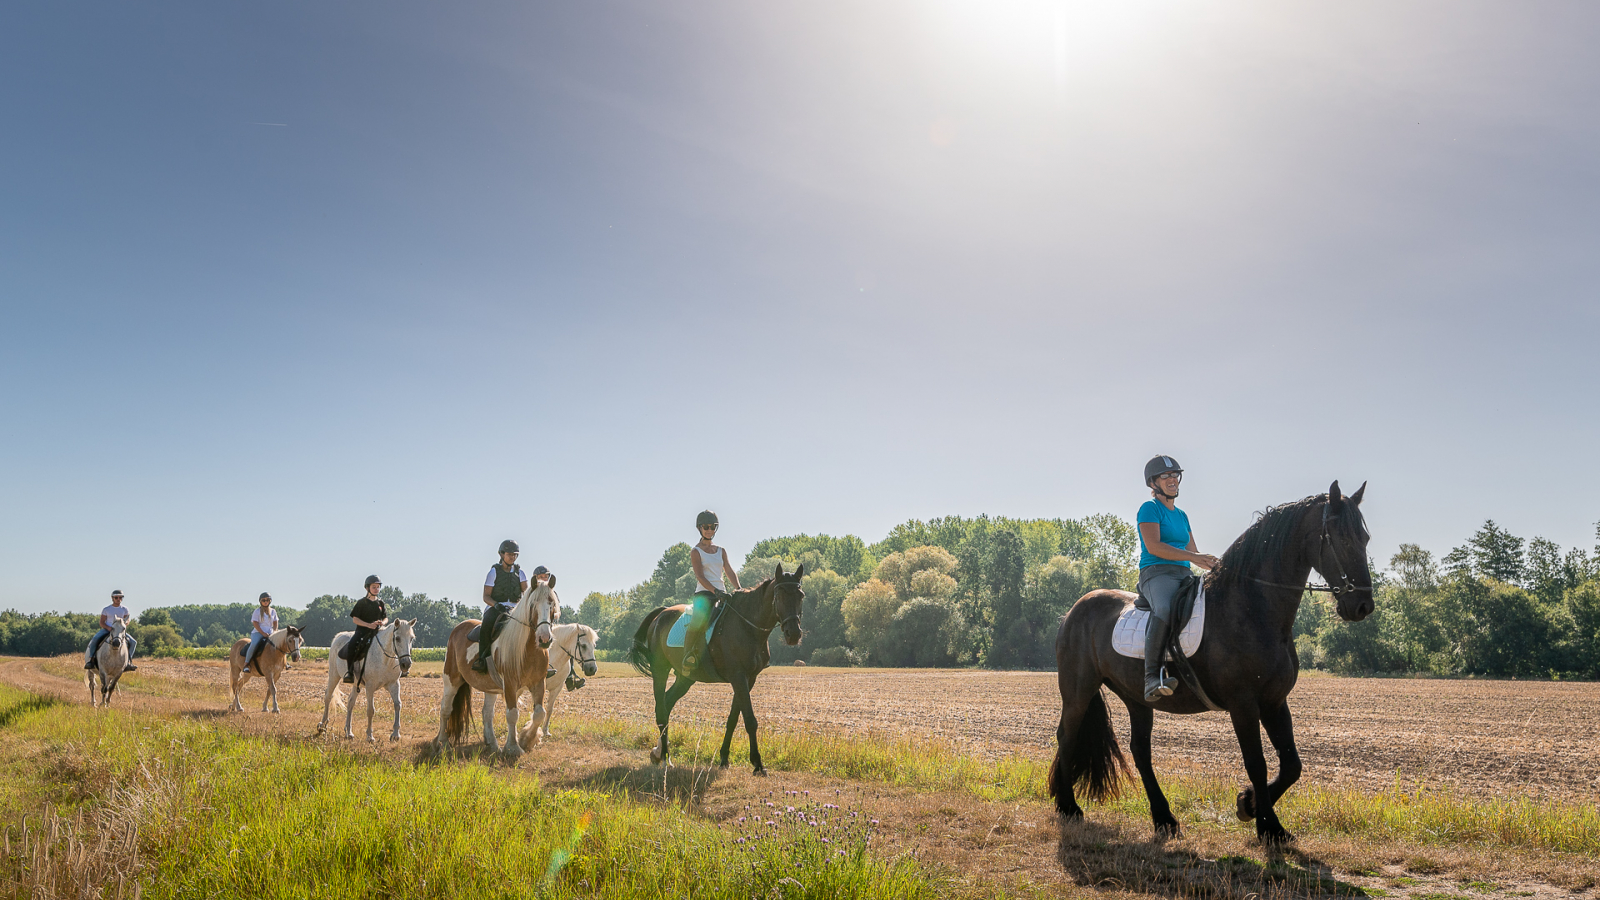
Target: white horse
{"type": "Point", "coordinates": [388, 661]}
{"type": "Point", "coordinates": [571, 644]}
{"type": "Point", "coordinates": [516, 665]}
{"type": "Point", "coordinates": [110, 660]}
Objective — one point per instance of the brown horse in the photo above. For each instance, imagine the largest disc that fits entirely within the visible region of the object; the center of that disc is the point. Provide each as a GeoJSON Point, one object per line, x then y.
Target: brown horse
{"type": "Point", "coordinates": [280, 647]}
{"type": "Point", "coordinates": [517, 663]}
{"type": "Point", "coordinates": [737, 649]}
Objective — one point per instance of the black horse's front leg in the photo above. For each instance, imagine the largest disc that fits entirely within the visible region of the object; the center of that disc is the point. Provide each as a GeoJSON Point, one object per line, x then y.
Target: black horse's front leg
{"type": "Point", "coordinates": [741, 704]}
{"type": "Point", "coordinates": [1256, 800]}
{"type": "Point", "coordinates": [1280, 730]}
{"type": "Point", "coordinates": [1142, 719]}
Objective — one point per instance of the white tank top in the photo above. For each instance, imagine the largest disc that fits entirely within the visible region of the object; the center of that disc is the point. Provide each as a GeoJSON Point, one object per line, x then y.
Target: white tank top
{"type": "Point", "coordinates": [711, 568]}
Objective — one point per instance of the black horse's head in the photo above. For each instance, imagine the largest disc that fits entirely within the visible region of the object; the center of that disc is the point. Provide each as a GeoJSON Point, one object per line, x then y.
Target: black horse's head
{"type": "Point", "coordinates": [786, 600]}
{"type": "Point", "coordinates": [1341, 554]}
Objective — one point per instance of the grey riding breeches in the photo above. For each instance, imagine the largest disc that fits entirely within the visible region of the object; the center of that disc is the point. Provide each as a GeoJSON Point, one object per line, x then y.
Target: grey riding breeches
{"type": "Point", "coordinates": [1158, 584]}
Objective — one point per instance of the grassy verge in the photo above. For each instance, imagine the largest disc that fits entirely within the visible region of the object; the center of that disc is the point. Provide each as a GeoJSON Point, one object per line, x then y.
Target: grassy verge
{"type": "Point", "coordinates": [193, 810]}
{"type": "Point", "coordinates": [418, 654]}
{"type": "Point", "coordinates": [1416, 815]}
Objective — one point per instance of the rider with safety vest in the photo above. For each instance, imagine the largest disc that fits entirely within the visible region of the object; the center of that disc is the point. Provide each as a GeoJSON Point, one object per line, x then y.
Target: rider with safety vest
{"type": "Point", "coordinates": [501, 591]}
{"type": "Point", "coordinates": [710, 564]}
{"type": "Point", "coordinates": [1166, 547]}
{"type": "Point", "coordinates": [115, 611]}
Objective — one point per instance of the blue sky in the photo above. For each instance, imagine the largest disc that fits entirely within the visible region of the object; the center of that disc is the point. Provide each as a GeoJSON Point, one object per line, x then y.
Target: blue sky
{"type": "Point", "coordinates": [293, 293]}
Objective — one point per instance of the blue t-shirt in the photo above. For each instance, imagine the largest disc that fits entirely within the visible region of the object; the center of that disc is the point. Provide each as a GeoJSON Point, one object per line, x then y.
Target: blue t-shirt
{"type": "Point", "coordinates": [1174, 531]}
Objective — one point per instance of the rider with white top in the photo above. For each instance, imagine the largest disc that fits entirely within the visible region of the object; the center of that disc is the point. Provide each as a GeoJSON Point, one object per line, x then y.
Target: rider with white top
{"type": "Point", "coordinates": [710, 564]}
{"type": "Point", "coordinates": [1166, 547]}
{"type": "Point", "coordinates": [115, 611]}
{"type": "Point", "coordinates": [263, 622]}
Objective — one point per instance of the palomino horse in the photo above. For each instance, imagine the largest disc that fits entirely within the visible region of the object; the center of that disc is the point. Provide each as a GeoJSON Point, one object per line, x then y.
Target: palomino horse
{"type": "Point", "coordinates": [388, 661]}
{"type": "Point", "coordinates": [281, 646]}
{"type": "Point", "coordinates": [738, 650]}
{"type": "Point", "coordinates": [110, 659]}
{"type": "Point", "coordinates": [1245, 664]}
{"type": "Point", "coordinates": [517, 662]}
{"type": "Point", "coordinates": [570, 645]}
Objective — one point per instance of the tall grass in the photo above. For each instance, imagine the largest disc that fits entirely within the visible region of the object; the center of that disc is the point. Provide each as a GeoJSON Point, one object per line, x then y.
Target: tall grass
{"type": "Point", "coordinates": [200, 811]}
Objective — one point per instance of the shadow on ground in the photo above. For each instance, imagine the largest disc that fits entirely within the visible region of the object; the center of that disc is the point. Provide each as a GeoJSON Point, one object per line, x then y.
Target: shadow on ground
{"type": "Point", "coordinates": [1109, 857]}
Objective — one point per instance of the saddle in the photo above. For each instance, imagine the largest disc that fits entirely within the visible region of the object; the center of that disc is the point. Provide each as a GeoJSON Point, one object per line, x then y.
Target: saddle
{"type": "Point", "coordinates": [1127, 638]}
{"type": "Point", "coordinates": [678, 635]}
{"type": "Point", "coordinates": [476, 633]}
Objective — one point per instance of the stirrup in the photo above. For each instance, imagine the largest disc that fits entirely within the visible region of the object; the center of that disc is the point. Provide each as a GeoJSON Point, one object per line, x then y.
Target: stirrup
{"type": "Point", "coordinates": [480, 665]}
{"type": "Point", "coordinates": [1161, 687]}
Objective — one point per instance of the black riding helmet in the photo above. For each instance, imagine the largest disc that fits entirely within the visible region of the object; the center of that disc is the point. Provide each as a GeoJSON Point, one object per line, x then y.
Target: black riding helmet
{"type": "Point", "coordinates": [706, 518]}
{"type": "Point", "coordinates": [1160, 465]}
{"type": "Point", "coordinates": [509, 547]}
{"type": "Point", "coordinates": [372, 580]}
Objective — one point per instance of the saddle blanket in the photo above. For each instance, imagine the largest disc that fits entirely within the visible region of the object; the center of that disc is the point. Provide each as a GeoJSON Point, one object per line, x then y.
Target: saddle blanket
{"type": "Point", "coordinates": [1127, 638]}
{"type": "Point", "coordinates": [680, 630]}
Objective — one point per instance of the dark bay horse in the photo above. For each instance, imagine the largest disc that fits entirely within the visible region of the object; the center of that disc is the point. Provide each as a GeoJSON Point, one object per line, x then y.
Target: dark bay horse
{"type": "Point", "coordinates": [738, 650]}
{"type": "Point", "coordinates": [1246, 662]}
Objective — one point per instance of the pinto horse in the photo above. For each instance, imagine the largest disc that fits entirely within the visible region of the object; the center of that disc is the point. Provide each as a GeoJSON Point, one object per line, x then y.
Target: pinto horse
{"type": "Point", "coordinates": [737, 649]}
{"type": "Point", "coordinates": [280, 647]}
{"type": "Point", "coordinates": [110, 660]}
{"type": "Point", "coordinates": [1246, 663]}
{"type": "Point", "coordinates": [517, 663]}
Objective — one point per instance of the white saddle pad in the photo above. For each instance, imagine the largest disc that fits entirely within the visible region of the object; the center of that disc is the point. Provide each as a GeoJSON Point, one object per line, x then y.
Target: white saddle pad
{"type": "Point", "coordinates": [1128, 637]}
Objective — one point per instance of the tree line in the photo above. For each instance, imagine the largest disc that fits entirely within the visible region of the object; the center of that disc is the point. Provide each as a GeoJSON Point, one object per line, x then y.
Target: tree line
{"type": "Point", "coordinates": [1497, 605]}
{"type": "Point", "coordinates": [989, 591]}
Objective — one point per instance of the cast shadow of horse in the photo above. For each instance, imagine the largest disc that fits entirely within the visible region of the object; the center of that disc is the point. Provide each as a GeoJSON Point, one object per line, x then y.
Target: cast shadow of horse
{"type": "Point", "coordinates": [682, 786]}
{"type": "Point", "coordinates": [1107, 857]}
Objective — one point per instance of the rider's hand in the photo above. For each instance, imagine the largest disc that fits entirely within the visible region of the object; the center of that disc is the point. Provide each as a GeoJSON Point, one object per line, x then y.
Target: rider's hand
{"type": "Point", "coordinates": [1207, 561]}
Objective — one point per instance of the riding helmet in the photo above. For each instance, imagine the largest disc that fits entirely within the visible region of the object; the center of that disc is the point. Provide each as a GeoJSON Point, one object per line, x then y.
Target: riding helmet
{"type": "Point", "coordinates": [540, 570]}
{"type": "Point", "coordinates": [264, 596]}
{"type": "Point", "coordinates": [705, 518]}
{"type": "Point", "coordinates": [1160, 465]}
{"type": "Point", "coordinates": [372, 580]}
{"type": "Point", "coordinates": [509, 547]}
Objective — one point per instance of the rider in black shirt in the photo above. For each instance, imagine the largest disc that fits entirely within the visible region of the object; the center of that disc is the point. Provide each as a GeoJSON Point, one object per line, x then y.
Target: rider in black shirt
{"type": "Point", "coordinates": [369, 614]}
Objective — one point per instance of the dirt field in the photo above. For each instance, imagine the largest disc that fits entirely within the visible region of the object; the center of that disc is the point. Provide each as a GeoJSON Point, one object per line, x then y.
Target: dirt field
{"type": "Point", "coordinates": [1479, 738]}
{"type": "Point", "coordinates": [1484, 739]}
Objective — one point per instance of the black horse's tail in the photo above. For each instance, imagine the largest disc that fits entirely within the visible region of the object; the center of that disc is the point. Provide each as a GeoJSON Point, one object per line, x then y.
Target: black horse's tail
{"type": "Point", "coordinates": [639, 656]}
{"type": "Point", "coordinates": [1094, 762]}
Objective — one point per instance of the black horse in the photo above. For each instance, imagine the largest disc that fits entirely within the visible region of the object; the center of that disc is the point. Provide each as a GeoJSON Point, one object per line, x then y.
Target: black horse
{"type": "Point", "coordinates": [1246, 662]}
{"type": "Point", "coordinates": [737, 650]}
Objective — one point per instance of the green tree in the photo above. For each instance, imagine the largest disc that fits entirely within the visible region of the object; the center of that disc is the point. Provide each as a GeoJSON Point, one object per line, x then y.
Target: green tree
{"type": "Point", "coordinates": [1497, 554]}
{"type": "Point", "coordinates": [324, 618]}
{"type": "Point", "coordinates": [1013, 638]}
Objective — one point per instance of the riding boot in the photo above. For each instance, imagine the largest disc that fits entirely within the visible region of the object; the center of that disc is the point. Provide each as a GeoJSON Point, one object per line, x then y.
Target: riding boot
{"type": "Point", "coordinates": [350, 673]}
{"type": "Point", "coordinates": [694, 646]}
{"type": "Point", "coordinates": [574, 680]}
{"type": "Point", "coordinates": [1156, 682]}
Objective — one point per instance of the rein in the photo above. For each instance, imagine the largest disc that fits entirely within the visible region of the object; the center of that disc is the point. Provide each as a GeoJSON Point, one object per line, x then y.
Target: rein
{"type": "Point", "coordinates": [1346, 583]}
{"type": "Point", "coordinates": [768, 629]}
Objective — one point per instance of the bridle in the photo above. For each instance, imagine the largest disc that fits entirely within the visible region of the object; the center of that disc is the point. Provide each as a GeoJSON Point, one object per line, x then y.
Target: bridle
{"type": "Point", "coordinates": [1346, 583]}
{"type": "Point", "coordinates": [577, 643]}
{"type": "Point", "coordinates": [394, 641]}
{"type": "Point", "coordinates": [777, 622]}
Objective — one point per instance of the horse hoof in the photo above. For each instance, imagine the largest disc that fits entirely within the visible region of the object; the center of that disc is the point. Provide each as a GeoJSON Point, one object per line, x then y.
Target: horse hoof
{"type": "Point", "coordinates": [1275, 837]}
{"type": "Point", "coordinates": [1167, 831]}
{"type": "Point", "coordinates": [655, 754]}
{"type": "Point", "coordinates": [1246, 804]}
{"type": "Point", "coordinates": [760, 773]}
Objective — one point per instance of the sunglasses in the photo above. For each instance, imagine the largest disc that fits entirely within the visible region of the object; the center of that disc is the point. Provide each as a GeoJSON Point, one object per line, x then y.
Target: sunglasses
{"type": "Point", "coordinates": [1170, 476]}
{"type": "Point", "coordinates": [708, 528]}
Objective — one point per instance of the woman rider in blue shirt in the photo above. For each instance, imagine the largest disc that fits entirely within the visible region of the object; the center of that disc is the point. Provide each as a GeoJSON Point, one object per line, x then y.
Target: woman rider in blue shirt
{"type": "Point", "coordinates": [1166, 547]}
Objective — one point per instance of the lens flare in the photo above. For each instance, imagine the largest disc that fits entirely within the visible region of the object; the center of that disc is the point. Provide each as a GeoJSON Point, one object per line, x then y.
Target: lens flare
{"type": "Point", "coordinates": [559, 859]}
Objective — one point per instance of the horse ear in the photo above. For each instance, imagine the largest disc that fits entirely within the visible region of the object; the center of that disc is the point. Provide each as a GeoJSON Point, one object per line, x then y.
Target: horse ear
{"type": "Point", "coordinates": [1334, 499]}
{"type": "Point", "coordinates": [779, 573]}
{"type": "Point", "coordinates": [1356, 497]}
{"type": "Point", "coordinates": [800, 571]}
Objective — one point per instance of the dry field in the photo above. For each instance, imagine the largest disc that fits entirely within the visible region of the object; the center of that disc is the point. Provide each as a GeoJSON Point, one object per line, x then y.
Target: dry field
{"type": "Point", "coordinates": [1481, 739]}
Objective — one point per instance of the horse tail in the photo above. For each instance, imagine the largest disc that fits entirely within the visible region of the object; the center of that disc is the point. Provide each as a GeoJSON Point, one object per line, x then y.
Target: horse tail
{"type": "Point", "coordinates": [639, 655]}
{"type": "Point", "coordinates": [1093, 762]}
{"type": "Point", "coordinates": [460, 713]}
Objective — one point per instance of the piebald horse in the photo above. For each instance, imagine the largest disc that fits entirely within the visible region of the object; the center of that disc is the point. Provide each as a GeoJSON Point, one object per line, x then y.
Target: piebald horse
{"type": "Point", "coordinates": [281, 646]}
{"type": "Point", "coordinates": [517, 663]}
{"type": "Point", "coordinates": [572, 645]}
{"type": "Point", "coordinates": [110, 660]}
{"type": "Point", "coordinates": [388, 661]}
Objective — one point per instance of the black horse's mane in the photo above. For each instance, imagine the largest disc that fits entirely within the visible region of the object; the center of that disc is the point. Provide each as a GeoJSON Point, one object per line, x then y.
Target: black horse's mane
{"type": "Point", "coordinates": [1264, 541]}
